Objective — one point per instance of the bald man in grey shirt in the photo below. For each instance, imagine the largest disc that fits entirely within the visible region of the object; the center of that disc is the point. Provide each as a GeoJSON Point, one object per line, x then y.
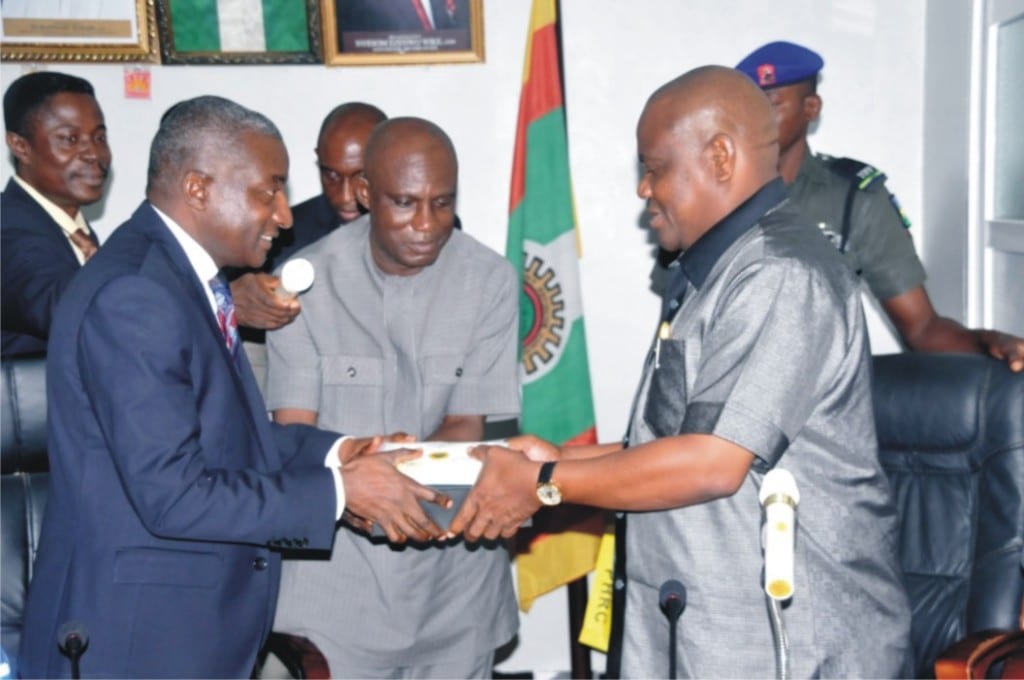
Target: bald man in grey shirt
{"type": "Point", "coordinates": [410, 326]}
{"type": "Point", "coordinates": [760, 362]}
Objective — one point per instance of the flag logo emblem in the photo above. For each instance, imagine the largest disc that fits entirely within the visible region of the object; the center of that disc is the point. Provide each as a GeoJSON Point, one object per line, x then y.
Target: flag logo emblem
{"type": "Point", "coordinates": [542, 310]}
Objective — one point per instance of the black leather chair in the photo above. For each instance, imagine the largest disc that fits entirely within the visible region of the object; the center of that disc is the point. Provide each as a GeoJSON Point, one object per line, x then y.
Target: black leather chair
{"type": "Point", "coordinates": [23, 495]}
{"type": "Point", "coordinates": [951, 438]}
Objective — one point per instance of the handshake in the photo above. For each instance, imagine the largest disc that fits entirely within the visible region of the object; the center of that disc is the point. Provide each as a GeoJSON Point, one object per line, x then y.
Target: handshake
{"type": "Point", "coordinates": [481, 491]}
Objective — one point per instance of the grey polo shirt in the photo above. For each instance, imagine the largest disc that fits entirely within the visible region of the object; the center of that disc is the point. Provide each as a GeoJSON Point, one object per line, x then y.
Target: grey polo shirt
{"type": "Point", "coordinates": [377, 354]}
{"type": "Point", "coordinates": [768, 351]}
{"type": "Point", "coordinates": [879, 247]}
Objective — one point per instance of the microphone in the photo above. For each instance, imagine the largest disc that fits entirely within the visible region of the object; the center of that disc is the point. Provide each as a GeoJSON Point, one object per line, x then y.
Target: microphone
{"type": "Point", "coordinates": [73, 640]}
{"type": "Point", "coordinates": [296, 277]}
{"type": "Point", "coordinates": [672, 601]}
{"type": "Point", "coordinates": [779, 496]}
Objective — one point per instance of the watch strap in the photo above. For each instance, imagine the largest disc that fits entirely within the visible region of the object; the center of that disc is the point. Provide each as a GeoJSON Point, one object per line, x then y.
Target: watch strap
{"type": "Point", "coordinates": [546, 470]}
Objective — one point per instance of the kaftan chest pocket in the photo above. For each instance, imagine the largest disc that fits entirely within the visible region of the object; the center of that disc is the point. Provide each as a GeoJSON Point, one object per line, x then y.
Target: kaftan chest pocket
{"type": "Point", "coordinates": [344, 369]}
{"type": "Point", "coordinates": [442, 369]}
{"type": "Point", "coordinates": [665, 407]}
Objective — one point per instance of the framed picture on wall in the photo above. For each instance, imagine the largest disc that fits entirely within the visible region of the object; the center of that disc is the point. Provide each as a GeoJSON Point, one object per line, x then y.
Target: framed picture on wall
{"type": "Point", "coordinates": [84, 30]}
{"type": "Point", "coordinates": [207, 32]}
{"type": "Point", "coordinates": [366, 32]}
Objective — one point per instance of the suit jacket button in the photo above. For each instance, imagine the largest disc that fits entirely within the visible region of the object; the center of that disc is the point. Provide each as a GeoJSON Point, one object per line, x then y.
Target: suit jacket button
{"type": "Point", "coordinates": [458, 372]}
{"type": "Point", "coordinates": [259, 564]}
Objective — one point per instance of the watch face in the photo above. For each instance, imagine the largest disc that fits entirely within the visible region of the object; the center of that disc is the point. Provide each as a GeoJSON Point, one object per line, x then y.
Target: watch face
{"type": "Point", "coordinates": [549, 494]}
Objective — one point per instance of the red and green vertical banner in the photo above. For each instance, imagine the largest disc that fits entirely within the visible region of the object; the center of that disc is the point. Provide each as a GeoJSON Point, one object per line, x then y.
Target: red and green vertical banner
{"type": "Point", "coordinates": [542, 244]}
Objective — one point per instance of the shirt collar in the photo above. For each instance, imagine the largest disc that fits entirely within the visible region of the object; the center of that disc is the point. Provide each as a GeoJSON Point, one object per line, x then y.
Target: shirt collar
{"type": "Point", "coordinates": [200, 260]}
{"type": "Point", "coordinates": [812, 170]}
{"type": "Point", "coordinates": [67, 223]}
{"type": "Point", "coordinates": [698, 260]}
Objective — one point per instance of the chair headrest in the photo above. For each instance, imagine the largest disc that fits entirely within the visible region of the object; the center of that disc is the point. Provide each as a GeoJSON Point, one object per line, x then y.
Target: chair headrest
{"type": "Point", "coordinates": [937, 403]}
{"type": "Point", "coordinates": [23, 415]}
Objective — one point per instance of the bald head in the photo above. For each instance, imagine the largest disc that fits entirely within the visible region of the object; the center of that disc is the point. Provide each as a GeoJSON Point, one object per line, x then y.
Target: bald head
{"type": "Point", "coordinates": [713, 100]}
{"type": "Point", "coordinates": [350, 115]}
{"type": "Point", "coordinates": [707, 141]}
{"type": "Point", "coordinates": [340, 149]}
{"type": "Point", "coordinates": [394, 141]}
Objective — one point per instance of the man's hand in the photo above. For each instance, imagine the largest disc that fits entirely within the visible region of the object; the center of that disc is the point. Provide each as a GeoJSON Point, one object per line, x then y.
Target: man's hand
{"type": "Point", "coordinates": [504, 495]}
{"type": "Point", "coordinates": [257, 304]}
{"type": "Point", "coordinates": [377, 493]}
{"type": "Point", "coordinates": [1005, 347]}
{"type": "Point", "coordinates": [535, 448]}
{"type": "Point", "coordinates": [352, 447]}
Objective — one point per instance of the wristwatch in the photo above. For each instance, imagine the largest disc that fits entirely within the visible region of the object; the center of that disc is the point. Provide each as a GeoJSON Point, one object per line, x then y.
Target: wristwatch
{"type": "Point", "coordinates": [547, 491]}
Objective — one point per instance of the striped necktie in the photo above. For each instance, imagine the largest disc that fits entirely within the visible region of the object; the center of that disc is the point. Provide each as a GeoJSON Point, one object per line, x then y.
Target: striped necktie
{"type": "Point", "coordinates": [83, 243]}
{"type": "Point", "coordinates": [225, 313]}
{"type": "Point", "coordinates": [422, 14]}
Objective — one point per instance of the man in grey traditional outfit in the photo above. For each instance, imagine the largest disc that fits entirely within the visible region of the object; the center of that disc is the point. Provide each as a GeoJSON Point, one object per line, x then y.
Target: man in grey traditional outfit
{"type": "Point", "coordinates": [411, 326]}
{"type": "Point", "coordinates": [761, 361]}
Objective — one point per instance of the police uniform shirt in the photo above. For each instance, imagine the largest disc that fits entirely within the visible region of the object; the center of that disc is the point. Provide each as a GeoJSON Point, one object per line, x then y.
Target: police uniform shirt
{"type": "Point", "coordinates": [879, 247]}
{"type": "Point", "coordinates": [769, 351]}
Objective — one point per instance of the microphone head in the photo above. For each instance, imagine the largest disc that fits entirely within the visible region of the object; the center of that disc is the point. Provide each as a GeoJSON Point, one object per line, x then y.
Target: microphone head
{"type": "Point", "coordinates": [778, 482]}
{"type": "Point", "coordinates": [72, 637]}
{"type": "Point", "coordinates": [672, 598]}
{"type": "Point", "coordinates": [297, 275]}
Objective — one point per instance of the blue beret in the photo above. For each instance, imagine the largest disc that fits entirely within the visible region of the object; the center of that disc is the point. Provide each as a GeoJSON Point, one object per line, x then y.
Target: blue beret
{"type": "Point", "coordinates": [780, 63]}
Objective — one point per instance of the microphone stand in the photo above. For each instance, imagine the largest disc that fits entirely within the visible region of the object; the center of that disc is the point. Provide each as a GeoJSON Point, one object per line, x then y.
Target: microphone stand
{"type": "Point", "coordinates": [780, 639]}
{"type": "Point", "coordinates": [73, 640]}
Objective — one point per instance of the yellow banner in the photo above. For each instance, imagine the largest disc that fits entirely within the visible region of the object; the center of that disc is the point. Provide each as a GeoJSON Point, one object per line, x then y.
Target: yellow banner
{"type": "Point", "coordinates": [597, 622]}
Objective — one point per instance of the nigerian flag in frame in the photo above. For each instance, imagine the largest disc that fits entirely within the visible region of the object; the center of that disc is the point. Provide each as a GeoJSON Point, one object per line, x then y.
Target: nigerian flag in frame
{"type": "Point", "coordinates": [239, 31]}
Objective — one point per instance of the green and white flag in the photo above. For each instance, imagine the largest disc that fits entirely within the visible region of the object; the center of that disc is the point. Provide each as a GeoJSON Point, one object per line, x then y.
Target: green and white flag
{"type": "Point", "coordinates": [240, 25]}
{"type": "Point", "coordinates": [542, 244]}
{"type": "Point", "coordinates": [557, 399]}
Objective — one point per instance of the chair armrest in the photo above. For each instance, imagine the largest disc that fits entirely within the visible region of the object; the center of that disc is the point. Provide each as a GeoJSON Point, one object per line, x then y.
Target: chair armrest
{"type": "Point", "coordinates": [300, 657]}
{"type": "Point", "coordinates": [975, 654]}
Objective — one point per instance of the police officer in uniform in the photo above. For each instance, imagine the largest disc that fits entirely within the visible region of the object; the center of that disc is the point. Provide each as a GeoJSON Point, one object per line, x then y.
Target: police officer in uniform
{"type": "Point", "coordinates": [850, 203]}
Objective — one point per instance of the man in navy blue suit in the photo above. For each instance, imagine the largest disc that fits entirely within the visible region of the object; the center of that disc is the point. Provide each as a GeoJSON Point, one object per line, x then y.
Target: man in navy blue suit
{"type": "Point", "coordinates": [58, 139]}
{"type": "Point", "coordinates": [170, 489]}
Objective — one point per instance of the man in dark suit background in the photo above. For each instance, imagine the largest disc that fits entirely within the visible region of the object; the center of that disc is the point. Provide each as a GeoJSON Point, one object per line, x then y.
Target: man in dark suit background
{"type": "Point", "coordinates": [339, 157]}
{"type": "Point", "coordinates": [169, 486]}
{"type": "Point", "coordinates": [57, 137]}
{"type": "Point", "coordinates": [58, 140]}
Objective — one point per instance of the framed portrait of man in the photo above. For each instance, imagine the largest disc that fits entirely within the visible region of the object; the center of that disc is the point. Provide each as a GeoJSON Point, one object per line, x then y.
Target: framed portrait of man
{"type": "Point", "coordinates": [365, 32]}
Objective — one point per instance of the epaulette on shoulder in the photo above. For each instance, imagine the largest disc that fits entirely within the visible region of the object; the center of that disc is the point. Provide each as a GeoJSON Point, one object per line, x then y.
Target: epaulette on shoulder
{"type": "Point", "coordinates": [852, 170]}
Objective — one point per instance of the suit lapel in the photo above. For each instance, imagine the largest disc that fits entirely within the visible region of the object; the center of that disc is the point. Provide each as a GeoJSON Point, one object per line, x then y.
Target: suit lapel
{"type": "Point", "coordinates": [38, 215]}
{"type": "Point", "coordinates": [240, 371]}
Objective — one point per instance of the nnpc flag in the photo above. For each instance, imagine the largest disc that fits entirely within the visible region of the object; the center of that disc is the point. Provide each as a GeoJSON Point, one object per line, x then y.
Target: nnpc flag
{"type": "Point", "coordinates": [542, 244]}
{"type": "Point", "coordinates": [239, 25]}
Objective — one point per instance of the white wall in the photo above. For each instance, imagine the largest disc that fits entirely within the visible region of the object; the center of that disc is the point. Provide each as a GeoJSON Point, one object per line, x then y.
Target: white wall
{"type": "Point", "coordinates": [616, 54]}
